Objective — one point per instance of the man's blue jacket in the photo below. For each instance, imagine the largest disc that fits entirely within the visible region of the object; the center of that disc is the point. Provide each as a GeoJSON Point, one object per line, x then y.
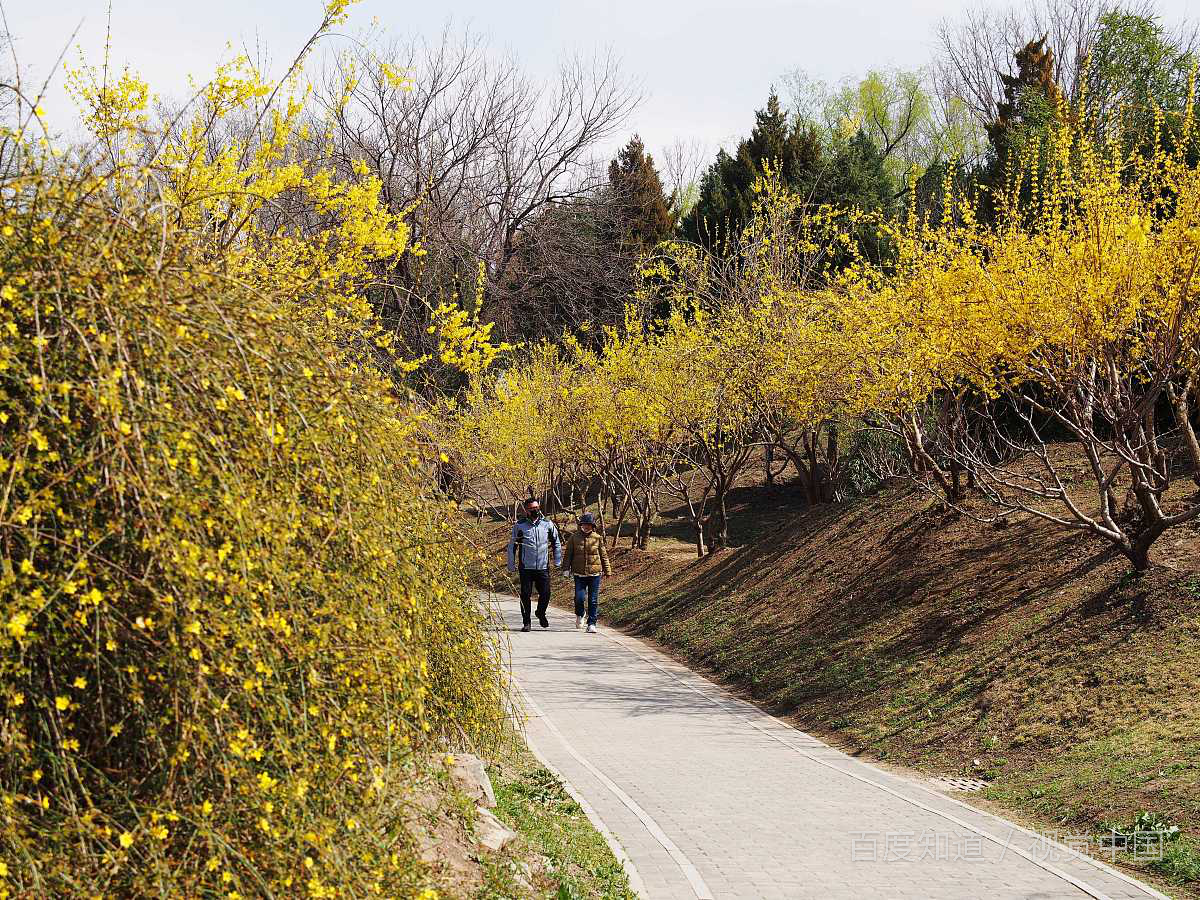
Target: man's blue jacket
{"type": "Point", "coordinates": [534, 541]}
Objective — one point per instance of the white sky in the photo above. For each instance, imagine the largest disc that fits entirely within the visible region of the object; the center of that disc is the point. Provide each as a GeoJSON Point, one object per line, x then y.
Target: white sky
{"type": "Point", "coordinates": [704, 66]}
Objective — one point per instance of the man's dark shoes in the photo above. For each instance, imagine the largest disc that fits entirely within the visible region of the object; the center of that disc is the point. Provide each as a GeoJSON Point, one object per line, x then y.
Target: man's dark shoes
{"type": "Point", "coordinates": [525, 627]}
{"type": "Point", "coordinates": [543, 621]}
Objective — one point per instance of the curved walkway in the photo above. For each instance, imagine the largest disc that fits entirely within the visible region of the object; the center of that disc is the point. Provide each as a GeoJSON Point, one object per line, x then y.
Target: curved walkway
{"type": "Point", "coordinates": [706, 796]}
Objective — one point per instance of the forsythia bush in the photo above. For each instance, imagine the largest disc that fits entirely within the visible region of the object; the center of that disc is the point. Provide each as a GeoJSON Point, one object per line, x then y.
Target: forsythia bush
{"type": "Point", "coordinates": [235, 623]}
{"type": "Point", "coordinates": [1072, 315]}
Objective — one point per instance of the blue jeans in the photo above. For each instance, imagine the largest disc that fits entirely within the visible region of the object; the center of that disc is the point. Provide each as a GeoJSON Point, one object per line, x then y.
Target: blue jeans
{"type": "Point", "coordinates": [588, 585]}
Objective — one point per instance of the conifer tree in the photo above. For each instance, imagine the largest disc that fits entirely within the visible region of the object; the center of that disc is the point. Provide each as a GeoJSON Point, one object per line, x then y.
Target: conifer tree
{"type": "Point", "coordinates": [726, 195]}
{"type": "Point", "coordinates": [1031, 102]}
{"type": "Point", "coordinates": [643, 211]}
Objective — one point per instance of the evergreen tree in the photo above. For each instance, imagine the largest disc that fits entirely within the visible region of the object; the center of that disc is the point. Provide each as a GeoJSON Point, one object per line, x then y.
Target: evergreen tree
{"type": "Point", "coordinates": [857, 177]}
{"type": "Point", "coordinates": [1031, 103]}
{"type": "Point", "coordinates": [726, 198]}
{"type": "Point", "coordinates": [643, 212]}
{"type": "Point", "coordinates": [931, 189]}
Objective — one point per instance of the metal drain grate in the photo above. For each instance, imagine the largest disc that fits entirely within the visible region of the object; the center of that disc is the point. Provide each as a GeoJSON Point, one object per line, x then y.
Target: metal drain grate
{"type": "Point", "coordinates": [964, 785]}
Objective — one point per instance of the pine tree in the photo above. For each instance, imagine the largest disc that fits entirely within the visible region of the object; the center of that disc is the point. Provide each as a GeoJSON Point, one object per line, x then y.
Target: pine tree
{"type": "Point", "coordinates": [726, 196]}
{"type": "Point", "coordinates": [643, 211]}
{"type": "Point", "coordinates": [857, 177]}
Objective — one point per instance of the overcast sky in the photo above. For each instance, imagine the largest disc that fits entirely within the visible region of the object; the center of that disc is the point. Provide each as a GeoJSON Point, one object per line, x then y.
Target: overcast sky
{"type": "Point", "coordinates": [704, 66]}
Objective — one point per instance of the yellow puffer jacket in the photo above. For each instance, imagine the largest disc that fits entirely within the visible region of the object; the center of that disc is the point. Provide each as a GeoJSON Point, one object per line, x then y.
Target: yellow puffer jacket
{"type": "Point", "coordinates": [586, 554]}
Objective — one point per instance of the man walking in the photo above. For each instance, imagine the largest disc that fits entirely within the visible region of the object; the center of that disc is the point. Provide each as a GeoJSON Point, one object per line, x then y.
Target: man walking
{"type": "Point", "coordinates": [587, 559]}
{"type": "Point", "coordinates": [534, 539]}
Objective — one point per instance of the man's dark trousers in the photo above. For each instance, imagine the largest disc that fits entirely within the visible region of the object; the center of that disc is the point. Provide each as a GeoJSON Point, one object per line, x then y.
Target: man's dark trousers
{"type": "Point", "coordinates": [541, 579]}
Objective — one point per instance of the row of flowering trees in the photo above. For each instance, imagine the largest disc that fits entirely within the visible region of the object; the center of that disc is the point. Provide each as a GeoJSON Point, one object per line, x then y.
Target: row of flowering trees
{"type": "Point", "coordinates": [1042, 362]}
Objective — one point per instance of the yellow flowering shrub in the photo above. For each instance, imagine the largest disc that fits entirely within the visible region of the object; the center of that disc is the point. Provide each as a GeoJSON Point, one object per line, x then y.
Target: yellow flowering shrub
{"type": "Point", "coordinates": [1069, 316]}
{"type": "Point", "coordinates": [235, 621]}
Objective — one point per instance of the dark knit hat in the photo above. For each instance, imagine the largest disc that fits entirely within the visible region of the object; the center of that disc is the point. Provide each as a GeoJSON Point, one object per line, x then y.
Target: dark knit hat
{"type": "Point", "coordinates": [587, 519]}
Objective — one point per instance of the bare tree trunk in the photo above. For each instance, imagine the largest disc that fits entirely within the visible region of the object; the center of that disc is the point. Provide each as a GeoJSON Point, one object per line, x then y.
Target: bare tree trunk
{"type": "Point", "coordinates": [718, 525]}
{"type": "Point", "coordinates": [643, 530]}
{"type": "Point", "coordinates": [1181, 405]}
{"type": "Point", "coordinates": [1137, 550]}
{"type": "Point", "coordinates": [600, 511]}
{"type": "Point", "coordinates": [804, 474]}
{"type": "Point", "coordinates": [620, 520]}
{"type": "Point", "coordinates": [924, 464]}
{"type": "Point", "coordinates": [696, 513]}
{"type": "Point", "coordinates": [832, 464]}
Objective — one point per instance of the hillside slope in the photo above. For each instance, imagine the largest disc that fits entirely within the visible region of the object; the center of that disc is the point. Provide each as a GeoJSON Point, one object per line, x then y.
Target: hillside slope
{"type": "Point", "coordinates": [1023, 655]}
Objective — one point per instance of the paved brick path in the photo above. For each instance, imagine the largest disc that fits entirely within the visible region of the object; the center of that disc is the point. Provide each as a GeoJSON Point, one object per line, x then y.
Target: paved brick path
{"type": "Point", "coordinates": [707, 796]}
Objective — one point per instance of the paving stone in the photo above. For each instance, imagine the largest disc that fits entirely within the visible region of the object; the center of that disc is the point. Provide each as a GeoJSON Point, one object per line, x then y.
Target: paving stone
{"type": "Point", "coordinates": [688, 778]}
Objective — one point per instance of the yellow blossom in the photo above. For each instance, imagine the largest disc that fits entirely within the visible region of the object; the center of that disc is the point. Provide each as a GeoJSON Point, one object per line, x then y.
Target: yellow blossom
{"type": "Point", "coordinates": [17, 625]}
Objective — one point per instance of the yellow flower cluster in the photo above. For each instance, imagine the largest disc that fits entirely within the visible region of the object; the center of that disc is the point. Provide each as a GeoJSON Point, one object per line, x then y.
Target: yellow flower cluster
{"type": "Point", "coordinates": [236, 630]}
{"type": "Point", "coordinates": [1082, 285]}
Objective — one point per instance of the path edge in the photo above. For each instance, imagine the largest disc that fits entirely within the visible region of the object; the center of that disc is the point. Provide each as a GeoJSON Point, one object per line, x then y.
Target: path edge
{"type": "Point", "coordinates": [725, 695]}
{"type": "Point", "coordinates": [636, 885]}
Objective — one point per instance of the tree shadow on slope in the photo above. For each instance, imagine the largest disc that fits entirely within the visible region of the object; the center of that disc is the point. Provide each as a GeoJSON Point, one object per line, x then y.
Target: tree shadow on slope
{"type": "Point", "coordinates": [885, 607]}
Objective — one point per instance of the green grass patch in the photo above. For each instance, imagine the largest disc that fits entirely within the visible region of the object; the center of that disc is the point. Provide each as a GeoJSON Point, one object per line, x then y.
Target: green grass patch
{"type": "Point", "coordinates": [568, 858]}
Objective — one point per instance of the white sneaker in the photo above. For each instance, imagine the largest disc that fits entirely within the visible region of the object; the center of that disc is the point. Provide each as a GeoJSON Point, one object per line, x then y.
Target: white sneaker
{"type": "Point", "coordinates": [591, 629]}
{"type": "Point", "coordinates": [578, 622]}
